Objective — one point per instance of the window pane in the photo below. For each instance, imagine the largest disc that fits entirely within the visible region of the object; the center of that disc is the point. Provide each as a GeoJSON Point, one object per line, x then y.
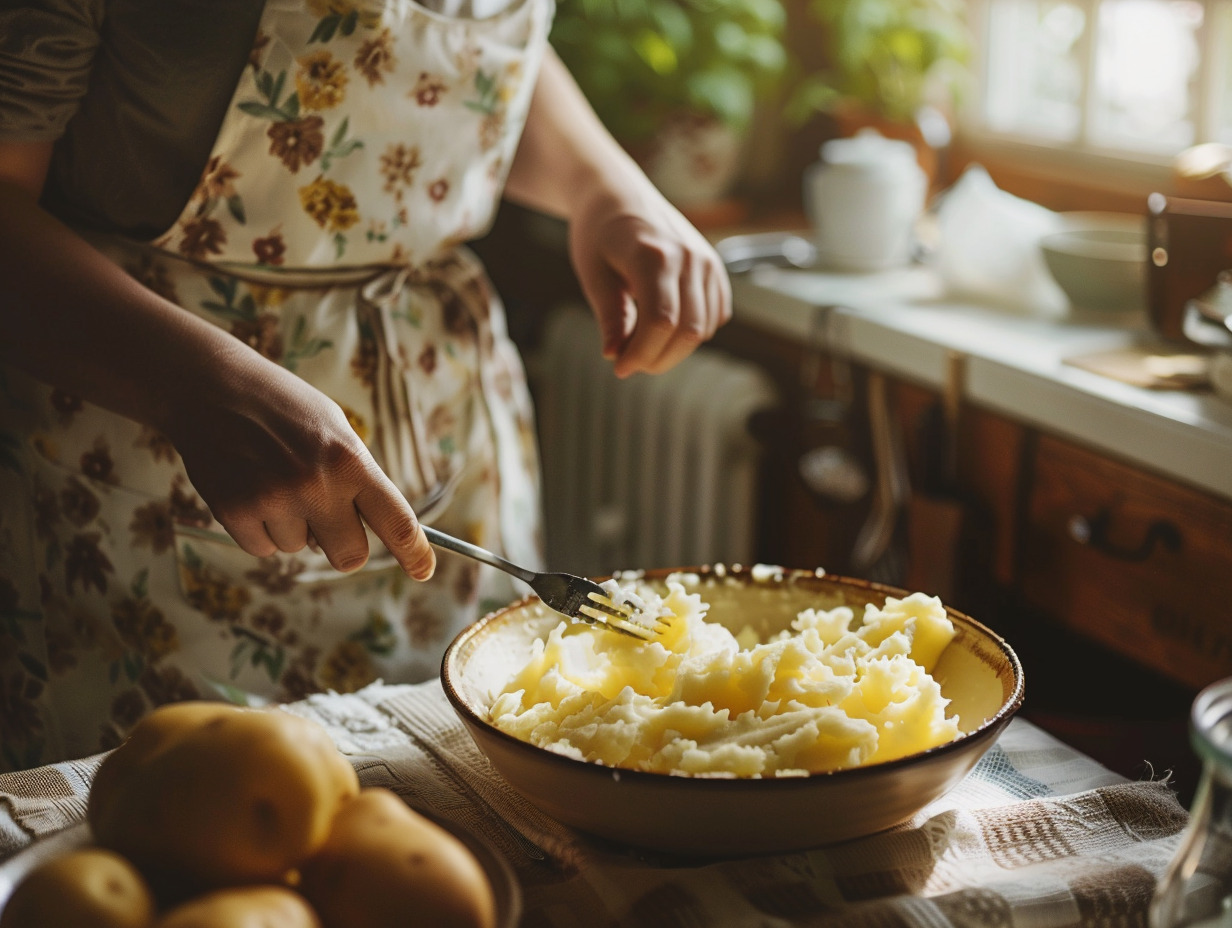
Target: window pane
{"type": "Point", "coordinates": [1034, 68]}
{"type": "Point", "coordinates": [1146, 62]}
{"type": "Point", "coordinates": [1221, 72]}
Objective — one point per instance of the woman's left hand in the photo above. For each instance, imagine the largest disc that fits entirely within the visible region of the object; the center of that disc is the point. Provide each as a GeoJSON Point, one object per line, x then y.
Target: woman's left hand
{"type": "Point", "coordinates": [657, 287]}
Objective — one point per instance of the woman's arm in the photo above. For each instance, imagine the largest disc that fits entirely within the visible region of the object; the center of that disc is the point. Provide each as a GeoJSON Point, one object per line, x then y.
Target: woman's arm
{"type": "Point", "coordinates": [657, 287]}
{"type": "Point", "coordinates": [273, 458]}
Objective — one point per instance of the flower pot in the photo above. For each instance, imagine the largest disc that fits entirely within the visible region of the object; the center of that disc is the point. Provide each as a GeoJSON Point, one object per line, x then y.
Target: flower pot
{"type": "Point", "coordinates": [694, 160]}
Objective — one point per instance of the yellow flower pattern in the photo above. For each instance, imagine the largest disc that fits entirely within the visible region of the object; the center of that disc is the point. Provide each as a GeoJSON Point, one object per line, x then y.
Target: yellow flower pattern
{"type": "Point", "coordinates": [331, 205]}
{"type": "Point", "coordinates": [321, 81]}
{"type": "Point", "coordinates": [465, 109]}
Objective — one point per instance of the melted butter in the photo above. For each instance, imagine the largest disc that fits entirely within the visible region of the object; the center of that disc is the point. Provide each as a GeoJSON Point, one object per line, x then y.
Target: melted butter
{"type": "Point", "coordinates": [719, 694]}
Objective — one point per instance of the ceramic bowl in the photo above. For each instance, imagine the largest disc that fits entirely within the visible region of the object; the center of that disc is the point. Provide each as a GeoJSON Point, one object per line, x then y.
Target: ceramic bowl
{"type": "Point", "coordinates": [1099, 260]}
{"type": "Point", "coordinates": [706, 816]}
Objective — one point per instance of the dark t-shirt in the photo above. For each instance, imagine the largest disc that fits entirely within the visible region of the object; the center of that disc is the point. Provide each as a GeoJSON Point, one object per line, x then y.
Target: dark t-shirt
{"type": "Point", "coordinates": [133, 90]}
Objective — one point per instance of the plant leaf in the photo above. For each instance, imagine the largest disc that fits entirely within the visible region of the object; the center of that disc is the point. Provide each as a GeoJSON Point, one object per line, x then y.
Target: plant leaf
{"type": "Point", "coordinates": [724, 91]}
{"type": "Point", "coordinates": [263, 111]}
{"type": "Point", "coordinates": [656, 52]}
{"type": "Point", "coordinates": [340, 132]}
{"type": "Point", "coordinates": [141, 584]}
{"type": "Point", "coordinates": [325, 28]}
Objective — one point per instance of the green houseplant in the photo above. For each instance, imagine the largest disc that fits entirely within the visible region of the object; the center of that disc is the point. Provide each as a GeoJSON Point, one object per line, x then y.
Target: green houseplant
{"type": "Point", "coordinates": [887, 60]}
{"type": "Point", "coordinates": [650, 65]}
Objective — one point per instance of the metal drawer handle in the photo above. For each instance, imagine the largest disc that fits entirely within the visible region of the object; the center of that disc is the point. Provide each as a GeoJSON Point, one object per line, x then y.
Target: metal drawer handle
{"type": "Point", "coordinates": [1093, 533]}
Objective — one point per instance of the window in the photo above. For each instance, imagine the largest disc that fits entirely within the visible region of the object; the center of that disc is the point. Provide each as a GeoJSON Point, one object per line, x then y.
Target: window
{"type": "Point", "coordinates": [1138, 80]}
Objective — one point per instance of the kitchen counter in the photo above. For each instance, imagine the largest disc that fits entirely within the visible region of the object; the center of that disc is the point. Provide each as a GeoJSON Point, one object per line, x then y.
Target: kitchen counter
{"type": "Point", "coordinates": [902, 323]}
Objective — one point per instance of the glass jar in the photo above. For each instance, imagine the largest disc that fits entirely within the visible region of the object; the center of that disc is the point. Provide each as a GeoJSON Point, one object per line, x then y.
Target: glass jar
{"type": "Point", "coordinates": [1196, 889]}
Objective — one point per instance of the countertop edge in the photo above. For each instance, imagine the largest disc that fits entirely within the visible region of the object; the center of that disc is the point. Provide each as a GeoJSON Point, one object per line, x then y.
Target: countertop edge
{"type": "Point", "coordinates": [1179, 435]}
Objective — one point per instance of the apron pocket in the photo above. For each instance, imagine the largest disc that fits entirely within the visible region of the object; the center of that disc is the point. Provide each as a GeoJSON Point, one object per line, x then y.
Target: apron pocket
{"type": "Point", "coordinates": [287, 625]}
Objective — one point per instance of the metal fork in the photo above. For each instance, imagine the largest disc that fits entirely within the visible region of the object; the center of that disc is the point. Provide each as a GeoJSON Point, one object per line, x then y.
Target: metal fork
{"type": "Point", "coordinates": [575, 597]}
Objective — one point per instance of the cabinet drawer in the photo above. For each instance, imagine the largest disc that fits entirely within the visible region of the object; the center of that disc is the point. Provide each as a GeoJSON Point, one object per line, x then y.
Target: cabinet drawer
{"type": "Point", "coordinates": [1136, 562]}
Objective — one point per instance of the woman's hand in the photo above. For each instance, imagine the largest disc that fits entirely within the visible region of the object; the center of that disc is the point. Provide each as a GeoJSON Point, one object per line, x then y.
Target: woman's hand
{"type": "Point", "coordinates": [656, 286]}
{"type": "Point", "coordinates": [280, 468]}
{"type": "Point", "coordinates": [274, 459]}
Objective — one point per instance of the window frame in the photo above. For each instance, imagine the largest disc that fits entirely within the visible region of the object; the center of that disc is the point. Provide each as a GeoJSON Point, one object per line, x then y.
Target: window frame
{"type": "Point", "coordinates": [1081, 161]}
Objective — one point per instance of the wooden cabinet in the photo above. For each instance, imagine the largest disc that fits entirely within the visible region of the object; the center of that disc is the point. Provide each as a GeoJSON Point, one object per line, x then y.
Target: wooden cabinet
{"type": "Point", "coordinates": [1134, 561]}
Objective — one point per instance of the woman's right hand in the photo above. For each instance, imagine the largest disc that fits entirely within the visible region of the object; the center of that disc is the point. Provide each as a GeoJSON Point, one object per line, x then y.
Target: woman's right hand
{"type": "Point", "coordinates": [280, 467]}
{"type": "Point", "coordinates": [274, 459]}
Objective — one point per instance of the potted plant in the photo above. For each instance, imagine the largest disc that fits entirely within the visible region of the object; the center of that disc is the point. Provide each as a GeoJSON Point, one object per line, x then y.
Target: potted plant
{"type": "Point", "coordinates": [676, 81]}
{"type": "Point", "coordinates": [900, 66]}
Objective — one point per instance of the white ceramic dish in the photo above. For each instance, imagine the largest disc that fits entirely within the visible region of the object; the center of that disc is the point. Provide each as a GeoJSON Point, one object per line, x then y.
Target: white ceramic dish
{"type": "Point", "coordinates": [1099, 260]}
{"type": "Point", "coordinates": [499, 872]}
{"type": "Point", "coordinates": [978, 672]}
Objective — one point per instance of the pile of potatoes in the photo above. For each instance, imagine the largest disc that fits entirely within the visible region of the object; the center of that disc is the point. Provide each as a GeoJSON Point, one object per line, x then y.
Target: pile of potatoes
{"type": "Point", "coordinates": [215, 816]}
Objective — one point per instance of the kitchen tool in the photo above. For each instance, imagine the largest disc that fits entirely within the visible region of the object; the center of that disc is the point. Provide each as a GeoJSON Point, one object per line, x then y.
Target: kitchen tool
{"type": "Point", "coordinates": [873, 542]}
{"type": "Point", "coordinates": [1208, 322]}
{"type": "Point", "coordinates": [575, 597]}
{"type": "Point", "coordinates": [936, 511]}
{"type": "Point", "coordinates": [828, 467]}
{"type": "Point", "coordinates": [1190, 243]}
{"type": "Point", "coordinates": [1099, 260]}
{"type": "Point", "coordinates": [735, 816]}
{"type": "Point", "coordinates": [742, 253]}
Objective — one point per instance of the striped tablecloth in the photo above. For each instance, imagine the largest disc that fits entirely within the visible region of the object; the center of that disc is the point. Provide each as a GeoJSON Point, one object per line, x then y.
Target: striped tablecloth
{"type": "Point", "coordinates": [1037, 835]}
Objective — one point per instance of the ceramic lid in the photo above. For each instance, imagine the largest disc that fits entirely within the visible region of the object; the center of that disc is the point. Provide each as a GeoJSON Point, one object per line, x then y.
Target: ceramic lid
{"type": "Point", "coordinates": [868, 149]}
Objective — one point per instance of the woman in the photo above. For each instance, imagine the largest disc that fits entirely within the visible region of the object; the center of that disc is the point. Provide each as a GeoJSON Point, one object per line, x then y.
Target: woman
{"type": "Point", "coordinates": [245, 355]}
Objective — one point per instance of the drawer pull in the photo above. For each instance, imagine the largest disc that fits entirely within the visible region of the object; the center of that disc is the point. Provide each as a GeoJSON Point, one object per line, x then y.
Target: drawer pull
{"type": "Point", "coordinates": [1093, 533]}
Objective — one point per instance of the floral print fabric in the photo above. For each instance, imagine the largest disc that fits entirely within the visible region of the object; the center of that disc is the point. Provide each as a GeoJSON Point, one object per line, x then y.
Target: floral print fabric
{"type": "Point", "coordinates": [364, 142]}
{"type": "Point", "coordinates": [372, 133]}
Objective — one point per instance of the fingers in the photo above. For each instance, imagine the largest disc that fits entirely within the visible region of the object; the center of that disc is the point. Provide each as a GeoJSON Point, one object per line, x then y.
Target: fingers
{"type": "Point", "coordinates": [340, 534]}
{"type": "Point", "coordinates": [609, 304]}
{"type": "Point", "coordinates": [682, 300]}
{"type": "Point", "coordinates": [718, 294]}
{"type": "Point", "coordinates": [653, 279]}
{"type": "Point", "coordinates": [342, 538]}
{"type": "Point", "coordinates": [281, 468]}
{"type": "Point", "coordinates": [249, 533]}
{"type": "Point", "coordinates": [386, 511]}
{"type": "Point", "coordinates": [289, 534]}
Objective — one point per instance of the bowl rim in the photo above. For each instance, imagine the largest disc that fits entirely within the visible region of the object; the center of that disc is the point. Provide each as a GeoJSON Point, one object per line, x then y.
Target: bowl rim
{"type": "Point", "coordinates": [1069, 238]}
{"type": "Point", "coordinates": [994, 723]}
{"type": "Point", "coordinates": [1071, 244]}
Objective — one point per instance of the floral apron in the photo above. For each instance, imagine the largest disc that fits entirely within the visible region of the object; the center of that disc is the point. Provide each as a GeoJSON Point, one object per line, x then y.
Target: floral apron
{"type": "Point", "coordinates": [364, 142]}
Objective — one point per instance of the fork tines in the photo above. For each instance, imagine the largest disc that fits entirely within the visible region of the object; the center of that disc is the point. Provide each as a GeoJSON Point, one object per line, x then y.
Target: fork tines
{"type": "Point", "coordinates": [616, 617]}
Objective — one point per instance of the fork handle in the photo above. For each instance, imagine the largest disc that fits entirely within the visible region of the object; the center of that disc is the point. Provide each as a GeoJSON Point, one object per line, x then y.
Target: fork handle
{"type": "Point", "coordinates": [458, 546]}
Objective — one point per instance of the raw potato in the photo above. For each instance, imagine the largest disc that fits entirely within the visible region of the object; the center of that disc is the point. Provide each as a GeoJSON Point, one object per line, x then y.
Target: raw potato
{"type": "Point", "coordinates": [87, 888]}
{"type": "Point", "coordinates": [244, 907]}
{"type": "Point", "coordinates": [214, 795]}
{"type": "Point", "coordinates": [385, 865]}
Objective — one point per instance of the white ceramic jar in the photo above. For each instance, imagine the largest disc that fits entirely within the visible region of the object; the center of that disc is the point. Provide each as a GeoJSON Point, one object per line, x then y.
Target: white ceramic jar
{"type": "Point", "coordinates": [863, 199]}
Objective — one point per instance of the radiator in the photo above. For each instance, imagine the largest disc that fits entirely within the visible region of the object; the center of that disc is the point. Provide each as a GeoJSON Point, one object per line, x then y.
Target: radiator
{"type": "Point", "coordinates": [652, 471]}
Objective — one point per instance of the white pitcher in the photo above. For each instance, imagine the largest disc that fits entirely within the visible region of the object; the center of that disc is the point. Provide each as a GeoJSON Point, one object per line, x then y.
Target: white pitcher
{"type": "Point", "coordinates": [863, 199]}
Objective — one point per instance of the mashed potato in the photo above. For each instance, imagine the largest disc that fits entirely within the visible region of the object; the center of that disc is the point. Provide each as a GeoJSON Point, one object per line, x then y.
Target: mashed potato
{"type": "Point", "coordinates": [700, 700]}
